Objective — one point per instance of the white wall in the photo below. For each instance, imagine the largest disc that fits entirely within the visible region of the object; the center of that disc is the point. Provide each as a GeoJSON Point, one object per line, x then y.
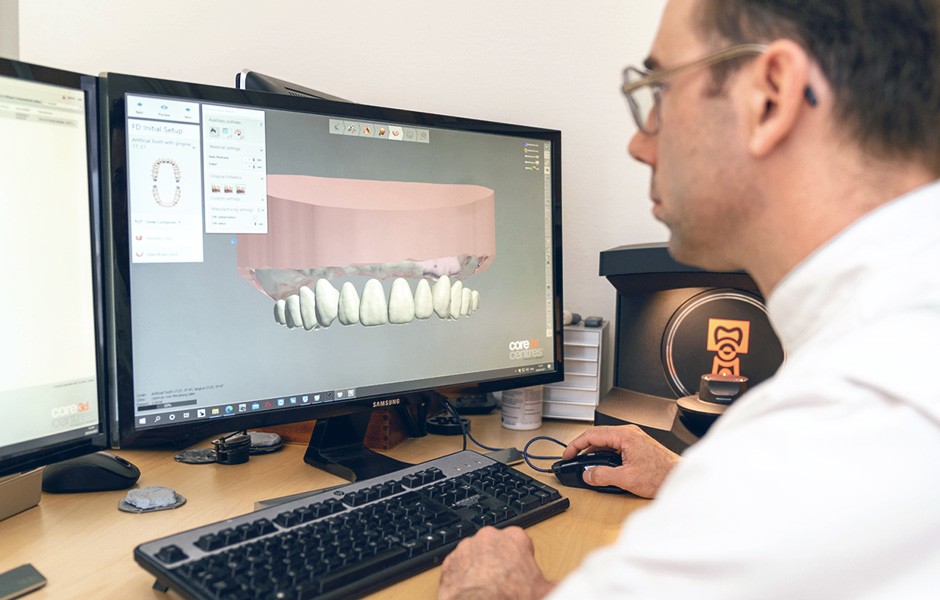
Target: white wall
{"type": "Point", "coordinates": [9, 29]}
{"type": "Point", "coordinates": [549, 63]}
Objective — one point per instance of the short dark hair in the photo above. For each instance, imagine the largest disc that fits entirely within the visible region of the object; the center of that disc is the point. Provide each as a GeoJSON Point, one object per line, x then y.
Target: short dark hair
{"type": "Point", "coordinates": [881, 58]}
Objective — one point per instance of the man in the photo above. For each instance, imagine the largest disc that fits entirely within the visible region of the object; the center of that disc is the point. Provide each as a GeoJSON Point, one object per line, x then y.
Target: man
{"type": "Point", "coordinates": [798, 141]}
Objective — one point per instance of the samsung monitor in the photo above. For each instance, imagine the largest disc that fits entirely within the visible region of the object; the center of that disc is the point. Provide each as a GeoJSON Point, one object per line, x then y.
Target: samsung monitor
{"type": "Point", "coordinates": [278, 259]}
{"type": "Point", "coordinates": [52, 399]}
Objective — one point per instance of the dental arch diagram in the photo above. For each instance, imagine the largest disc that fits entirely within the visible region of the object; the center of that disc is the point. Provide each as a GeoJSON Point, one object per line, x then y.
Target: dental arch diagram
{"type": "Point", "coordinates": [323, 231]}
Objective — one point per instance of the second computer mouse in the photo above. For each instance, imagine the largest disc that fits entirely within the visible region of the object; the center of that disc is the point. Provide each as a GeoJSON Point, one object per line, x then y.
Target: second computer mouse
{"type": "Point", "coordinates": [97, 472]}
{"type": "Point", "coordinates": [570, 472]}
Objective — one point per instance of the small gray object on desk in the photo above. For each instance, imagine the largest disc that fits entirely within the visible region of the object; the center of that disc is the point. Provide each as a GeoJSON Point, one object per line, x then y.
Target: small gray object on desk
{"type": "Point", "coordinates": [201, 456]}
{"type": "Point", "coordinates": [150, 499]}
{"type": "Point", "coordinates": [263, 442]}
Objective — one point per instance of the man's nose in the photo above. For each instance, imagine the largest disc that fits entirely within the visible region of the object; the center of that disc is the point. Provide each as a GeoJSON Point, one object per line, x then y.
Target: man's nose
{"type": "Point", "coordinates": [642, 147]}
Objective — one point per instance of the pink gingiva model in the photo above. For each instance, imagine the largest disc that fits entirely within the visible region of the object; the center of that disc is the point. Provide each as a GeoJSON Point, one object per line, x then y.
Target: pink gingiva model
{"type": "Point", "coordinates": [322, 231]}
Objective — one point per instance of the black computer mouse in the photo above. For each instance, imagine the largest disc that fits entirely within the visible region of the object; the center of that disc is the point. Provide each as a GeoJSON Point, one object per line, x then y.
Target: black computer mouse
{"type": "Point", "coordinates": [569, 472]}
{"type": "Point", "coordinates": [97, 472]}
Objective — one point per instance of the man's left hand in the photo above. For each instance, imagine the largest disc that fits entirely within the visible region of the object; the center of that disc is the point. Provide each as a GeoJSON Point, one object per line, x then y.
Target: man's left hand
{"type": "Point", "coordinates": [493, 564]}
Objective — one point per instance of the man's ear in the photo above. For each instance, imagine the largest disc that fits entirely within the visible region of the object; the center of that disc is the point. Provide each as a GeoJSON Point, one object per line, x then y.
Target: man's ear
{"type": "Point", "coordinates": [778, 83]}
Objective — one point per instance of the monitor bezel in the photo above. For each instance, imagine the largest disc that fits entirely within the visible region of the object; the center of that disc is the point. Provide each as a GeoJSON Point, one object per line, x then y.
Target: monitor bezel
{"type": "Point", "coordinates": [124, 432]}
{"type": "Point", "coordinates": [26, 456]}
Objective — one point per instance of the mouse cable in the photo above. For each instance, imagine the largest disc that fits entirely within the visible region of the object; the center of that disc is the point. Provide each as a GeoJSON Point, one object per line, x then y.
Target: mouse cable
{"type": "Point", "coordinates": [526, 456]}
{"type": "Point", "coordinates": [463, 427]}
{"type": "Point", "coordinates": [525, 450]}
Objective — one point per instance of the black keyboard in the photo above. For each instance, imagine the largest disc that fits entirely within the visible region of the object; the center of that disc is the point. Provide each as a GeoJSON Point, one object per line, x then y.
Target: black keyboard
{"type": "Point", "coordinates": [352, 540]}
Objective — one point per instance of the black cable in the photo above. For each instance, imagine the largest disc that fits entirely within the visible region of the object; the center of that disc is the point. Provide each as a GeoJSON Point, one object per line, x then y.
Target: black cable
{"type": "Point", "coordinates": [526, 456]}
{"type": "Point", "coordinates": [463, 428]}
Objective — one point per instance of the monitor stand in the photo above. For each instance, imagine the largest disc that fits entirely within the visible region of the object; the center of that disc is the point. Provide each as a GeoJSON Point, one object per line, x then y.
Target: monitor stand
{"type": "Point", "coordinates": [19, 492]}
{"type": "Point", "coordinates": [337, 444]}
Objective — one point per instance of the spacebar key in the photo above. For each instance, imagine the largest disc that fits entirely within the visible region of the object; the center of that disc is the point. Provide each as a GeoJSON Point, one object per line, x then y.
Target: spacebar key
{"type": "Point", "coordinates": [351, 573]}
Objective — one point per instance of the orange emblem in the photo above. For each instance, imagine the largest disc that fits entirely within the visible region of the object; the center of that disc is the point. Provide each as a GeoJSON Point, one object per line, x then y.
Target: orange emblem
{"type": "Point", "coordinates": [728, 339]}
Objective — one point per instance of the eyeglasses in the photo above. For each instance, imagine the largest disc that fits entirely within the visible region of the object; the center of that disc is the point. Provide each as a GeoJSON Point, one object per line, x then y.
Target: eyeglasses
{"type": "Point", "coordinates": [643, 88]}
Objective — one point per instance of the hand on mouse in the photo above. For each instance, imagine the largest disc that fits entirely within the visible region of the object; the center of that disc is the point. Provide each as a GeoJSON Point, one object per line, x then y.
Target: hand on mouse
{"type": "Point", "coordinates": [646, 462]}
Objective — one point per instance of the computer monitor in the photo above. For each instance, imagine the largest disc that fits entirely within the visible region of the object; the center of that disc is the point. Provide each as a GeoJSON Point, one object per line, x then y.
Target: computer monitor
{"type": "Point", "coordinates": [278, 259]}
{"type": "Point", "coordinates": [51, 393]}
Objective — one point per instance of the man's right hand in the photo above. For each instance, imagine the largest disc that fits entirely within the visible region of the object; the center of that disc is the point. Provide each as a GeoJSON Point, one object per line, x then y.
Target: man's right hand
{"type": "Point", "coordinates": [646, 462]}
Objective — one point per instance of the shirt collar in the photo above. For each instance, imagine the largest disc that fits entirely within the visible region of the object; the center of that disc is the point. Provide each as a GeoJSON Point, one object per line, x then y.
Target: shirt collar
{"type": "Point", "coordinates": [818, 290]}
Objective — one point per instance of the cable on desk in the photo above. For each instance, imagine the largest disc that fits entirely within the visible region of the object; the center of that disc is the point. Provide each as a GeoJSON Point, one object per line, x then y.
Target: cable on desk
{"type": "Point", "coordinates": [526, 456]}
{"type": "Point", "coordinates": [463, 428]}
{"type": "Point", "coordinates": [525, 450]}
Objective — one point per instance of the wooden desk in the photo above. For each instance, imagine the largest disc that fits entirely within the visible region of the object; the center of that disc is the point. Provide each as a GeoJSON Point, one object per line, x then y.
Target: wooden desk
{"type": "Point", "coordinates": [84, 546]}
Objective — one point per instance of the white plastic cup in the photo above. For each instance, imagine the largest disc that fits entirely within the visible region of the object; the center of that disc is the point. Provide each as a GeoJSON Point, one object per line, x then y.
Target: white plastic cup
{"type": "Point", "coordinates": [522, 408]}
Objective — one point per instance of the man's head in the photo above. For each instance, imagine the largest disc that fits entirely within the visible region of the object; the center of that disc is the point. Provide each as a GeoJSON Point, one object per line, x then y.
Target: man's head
{"type": "Point", "coordinates": [881, 59]}
{"type": "Point", "coordinates": [828, 110]}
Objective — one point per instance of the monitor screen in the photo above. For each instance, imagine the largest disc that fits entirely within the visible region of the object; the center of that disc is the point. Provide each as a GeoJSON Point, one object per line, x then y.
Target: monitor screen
{"type": "Point", "coordinates": [51, 394]}
{"type": "Point", "coordinates": [278, 258]}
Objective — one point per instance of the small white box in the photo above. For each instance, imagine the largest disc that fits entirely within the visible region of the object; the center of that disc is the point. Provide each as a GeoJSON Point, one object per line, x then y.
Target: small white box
{"type": "Point", "coordinates": [586, 380]}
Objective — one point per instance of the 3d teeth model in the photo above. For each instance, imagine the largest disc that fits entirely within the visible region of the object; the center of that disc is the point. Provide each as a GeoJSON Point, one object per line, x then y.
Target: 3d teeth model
{"type": "Point", "coordinates": [321, 306]}
{"type": "Point", "coordinates": [323, 230]}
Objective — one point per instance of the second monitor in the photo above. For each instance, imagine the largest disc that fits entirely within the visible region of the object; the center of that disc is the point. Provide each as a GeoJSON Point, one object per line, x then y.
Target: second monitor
{"type": "Point", "coordinates": [278, 259]}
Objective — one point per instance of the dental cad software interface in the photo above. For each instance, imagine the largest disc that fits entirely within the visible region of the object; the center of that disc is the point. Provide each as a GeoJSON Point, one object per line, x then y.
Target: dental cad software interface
{"type": "Point", "coordinates": [48, 388]}
{"type": "Point", "coordinates": [282, 258]}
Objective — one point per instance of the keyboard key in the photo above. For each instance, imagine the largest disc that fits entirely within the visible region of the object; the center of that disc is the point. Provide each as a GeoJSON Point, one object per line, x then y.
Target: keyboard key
{"type": "Point", "coordinates": [525, 503]}
{"type": "Point", "coordinates": [210, 541]}
{"type": "Point", "coordinates": [171, 554]}
{"type": "Point", "coordinates": [353, 572]}
{"type": "Point", "coordinates": [411, 481]}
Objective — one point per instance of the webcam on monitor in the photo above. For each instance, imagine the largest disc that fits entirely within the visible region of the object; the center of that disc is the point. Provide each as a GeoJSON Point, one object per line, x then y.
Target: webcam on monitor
{"type": "Point", "coordinates": [259, 82]}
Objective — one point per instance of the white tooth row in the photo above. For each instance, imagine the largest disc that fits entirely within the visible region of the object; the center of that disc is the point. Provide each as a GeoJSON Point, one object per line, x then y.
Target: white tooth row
{"type": "Point", "coordinates": [324, 304]}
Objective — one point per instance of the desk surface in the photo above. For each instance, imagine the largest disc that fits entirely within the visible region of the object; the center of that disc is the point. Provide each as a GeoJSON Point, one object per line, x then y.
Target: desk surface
{"type": "Point", "coordinates": [84, 546]}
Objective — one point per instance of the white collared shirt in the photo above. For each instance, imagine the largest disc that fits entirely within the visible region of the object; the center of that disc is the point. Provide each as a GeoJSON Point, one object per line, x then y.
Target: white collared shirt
{"type": "Point", "coordinates": [824, 481]}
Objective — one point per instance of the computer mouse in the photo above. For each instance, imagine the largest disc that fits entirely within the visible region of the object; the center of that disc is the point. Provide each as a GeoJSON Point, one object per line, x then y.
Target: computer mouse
{"type": "Point", "coordinates": [569, 472]}
{"type": "Point", "coordinates": [97, 472]}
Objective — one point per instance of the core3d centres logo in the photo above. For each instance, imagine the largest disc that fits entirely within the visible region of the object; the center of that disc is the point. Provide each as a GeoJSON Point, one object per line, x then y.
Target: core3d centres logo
{"type": "Point", "coordinates": [522, 349]}
{"type": "Point", "coordinates": [71, 414]}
